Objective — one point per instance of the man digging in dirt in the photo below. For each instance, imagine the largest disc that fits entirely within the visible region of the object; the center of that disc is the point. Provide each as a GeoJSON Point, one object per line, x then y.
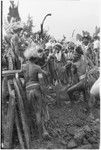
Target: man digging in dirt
{"type": "Point", "coordinates": [34, 86]}
{"type": "Point", "coordinates": [81, 64]}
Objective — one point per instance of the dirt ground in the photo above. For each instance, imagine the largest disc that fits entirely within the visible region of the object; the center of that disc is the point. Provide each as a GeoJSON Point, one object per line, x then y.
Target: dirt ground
{"type": "Point", "coordinates": [71, 127]}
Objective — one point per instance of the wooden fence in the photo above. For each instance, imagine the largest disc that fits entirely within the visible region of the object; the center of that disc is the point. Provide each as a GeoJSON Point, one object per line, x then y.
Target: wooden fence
{"type": "Point", "coordinates": [17, 112]}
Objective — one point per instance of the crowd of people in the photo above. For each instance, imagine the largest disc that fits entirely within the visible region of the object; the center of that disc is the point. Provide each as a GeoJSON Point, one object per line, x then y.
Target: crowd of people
{"type": "Point", "coordinates": [56, 65]}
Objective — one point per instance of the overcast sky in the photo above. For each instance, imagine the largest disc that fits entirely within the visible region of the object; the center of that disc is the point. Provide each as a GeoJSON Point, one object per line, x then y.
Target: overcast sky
{"type": "Point", "coordinates": [67, 15]}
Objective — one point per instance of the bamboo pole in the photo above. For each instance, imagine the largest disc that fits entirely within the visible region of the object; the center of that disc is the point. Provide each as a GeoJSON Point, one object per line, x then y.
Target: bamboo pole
{"type": "Point", "coordinates": [19, 130]}
{"type": "Point", "coordinates": [10, 119]}
{"type": "Point", "coordinates": [11, 72]}
{"type": "Point", "coordinates": [23, 94]}
{"type": "Point", "coordinates": [23, 115]}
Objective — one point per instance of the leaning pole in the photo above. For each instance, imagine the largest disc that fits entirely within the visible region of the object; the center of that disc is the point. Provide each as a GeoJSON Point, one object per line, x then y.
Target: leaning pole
{"type": "Point", "coordinates": [41, 33]}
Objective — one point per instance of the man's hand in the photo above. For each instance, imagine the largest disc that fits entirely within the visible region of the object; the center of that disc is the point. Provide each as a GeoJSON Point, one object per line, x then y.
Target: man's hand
{"type": "Point", "coordinates": [45, 72]}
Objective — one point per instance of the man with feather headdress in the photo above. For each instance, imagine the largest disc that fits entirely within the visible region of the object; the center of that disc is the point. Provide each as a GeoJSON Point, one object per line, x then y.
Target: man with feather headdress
{"type": "Point", "coordinates": [34, 83]}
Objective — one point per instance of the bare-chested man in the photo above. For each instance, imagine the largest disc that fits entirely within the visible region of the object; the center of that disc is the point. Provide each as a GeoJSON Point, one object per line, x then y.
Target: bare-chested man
{"type": "Point", "coordinates": [81, 65]}
{"type": "Point", "coordinates": [34, 86]}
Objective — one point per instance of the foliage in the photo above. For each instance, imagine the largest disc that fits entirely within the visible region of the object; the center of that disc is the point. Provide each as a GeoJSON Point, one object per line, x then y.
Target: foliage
{"type": "Point", "coordinates": [97, 31]}
{"type": "Point", "coordinates": [41, 39]}
{"type": "Point", "coordinates": [28, 26]}
{"type": "Point", "coordinates": [87, 34]}
{"type": "Point", "coordinates": [79, 37]}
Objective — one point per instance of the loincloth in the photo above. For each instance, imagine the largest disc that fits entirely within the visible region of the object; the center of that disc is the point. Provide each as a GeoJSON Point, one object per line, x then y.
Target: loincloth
{"type": "Point", "coordinates": [32, 85]}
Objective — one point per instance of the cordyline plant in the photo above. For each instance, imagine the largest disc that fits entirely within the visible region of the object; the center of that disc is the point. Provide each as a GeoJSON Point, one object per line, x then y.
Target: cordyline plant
{"type": "Point", "coordinates": [28, 26]}
{"type": "Point", "coordinates": [40, 37]}
{"type": "Point", "coordinates": [87, 34]}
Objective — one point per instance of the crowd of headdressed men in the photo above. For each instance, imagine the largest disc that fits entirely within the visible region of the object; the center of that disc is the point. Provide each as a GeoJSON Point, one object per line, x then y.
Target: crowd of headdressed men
{"type": "Point", "coordinates": [51, 65]}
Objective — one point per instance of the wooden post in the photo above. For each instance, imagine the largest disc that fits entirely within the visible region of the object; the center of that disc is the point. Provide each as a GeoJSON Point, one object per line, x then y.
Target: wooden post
{"type": "Point", "coordinates": [10, 119]}
{"type": "Point", "coordinates": [21, 102]}
{"type": "Point", "coordinates": [20, 137]}
{"type": "Point", "coordinates": [24, 95]}
{"type": "Point", "coordinates": [23, 115]}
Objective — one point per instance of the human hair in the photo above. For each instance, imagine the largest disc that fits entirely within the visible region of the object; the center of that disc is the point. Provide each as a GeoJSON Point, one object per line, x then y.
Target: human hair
{"type": "Point", "coordinates": [79, 50]}
{"type": "Point", "coordinates": [33, 59]}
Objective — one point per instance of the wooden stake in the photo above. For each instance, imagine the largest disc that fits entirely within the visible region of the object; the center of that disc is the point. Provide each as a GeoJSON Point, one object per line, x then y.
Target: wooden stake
{"type": "Point", "coordinates": [10, 119]}
{"type": "Point", "coordinates": [22, 113]}
{"type": "Point", "coordinates": [19, 130]}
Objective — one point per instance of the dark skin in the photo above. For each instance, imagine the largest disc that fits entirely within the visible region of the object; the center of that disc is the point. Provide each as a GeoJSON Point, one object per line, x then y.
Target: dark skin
{"type": "Point", "coordinates": [34, 74]}
{"type": "Point", "coordinates": [80, 86]}
{"type": "Point", "coordinates": [31, 70]}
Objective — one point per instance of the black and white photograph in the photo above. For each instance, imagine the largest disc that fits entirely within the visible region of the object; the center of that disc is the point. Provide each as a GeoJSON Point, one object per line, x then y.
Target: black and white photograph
{"type": "Point", "coordinates": [50, 74]}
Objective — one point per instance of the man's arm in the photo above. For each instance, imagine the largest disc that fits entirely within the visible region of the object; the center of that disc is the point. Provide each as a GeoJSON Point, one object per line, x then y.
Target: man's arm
{"type": "Point", "coordinates": [90, 62]}
{"type": "Point", "coordinates": [41, 80]}
{"type": "Point", "coordinates": [42, 71]}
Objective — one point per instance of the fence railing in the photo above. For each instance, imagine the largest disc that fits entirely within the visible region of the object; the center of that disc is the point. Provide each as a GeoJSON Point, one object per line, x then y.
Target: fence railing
{"type": "Point", "coordinates": [16, 112]}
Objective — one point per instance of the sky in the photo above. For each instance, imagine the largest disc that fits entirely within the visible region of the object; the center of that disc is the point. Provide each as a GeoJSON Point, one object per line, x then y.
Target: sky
{"type": "Point", "coordinates": [67, 15]}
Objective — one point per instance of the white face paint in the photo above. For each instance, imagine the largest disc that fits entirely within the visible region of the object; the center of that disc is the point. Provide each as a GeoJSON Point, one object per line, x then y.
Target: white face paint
{"type": "Point", "coordinates": [66, 55]}
{"type": "Point", "coordinates": [58, 56]}
{"type": "Point", "coordinates": [70, 55]}
{"type": "Point", "coordinates": [40, 55]}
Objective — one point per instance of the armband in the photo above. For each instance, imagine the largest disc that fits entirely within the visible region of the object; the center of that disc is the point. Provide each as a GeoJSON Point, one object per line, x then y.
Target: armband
{"type": "Point", "coordinates": [40, 75]}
